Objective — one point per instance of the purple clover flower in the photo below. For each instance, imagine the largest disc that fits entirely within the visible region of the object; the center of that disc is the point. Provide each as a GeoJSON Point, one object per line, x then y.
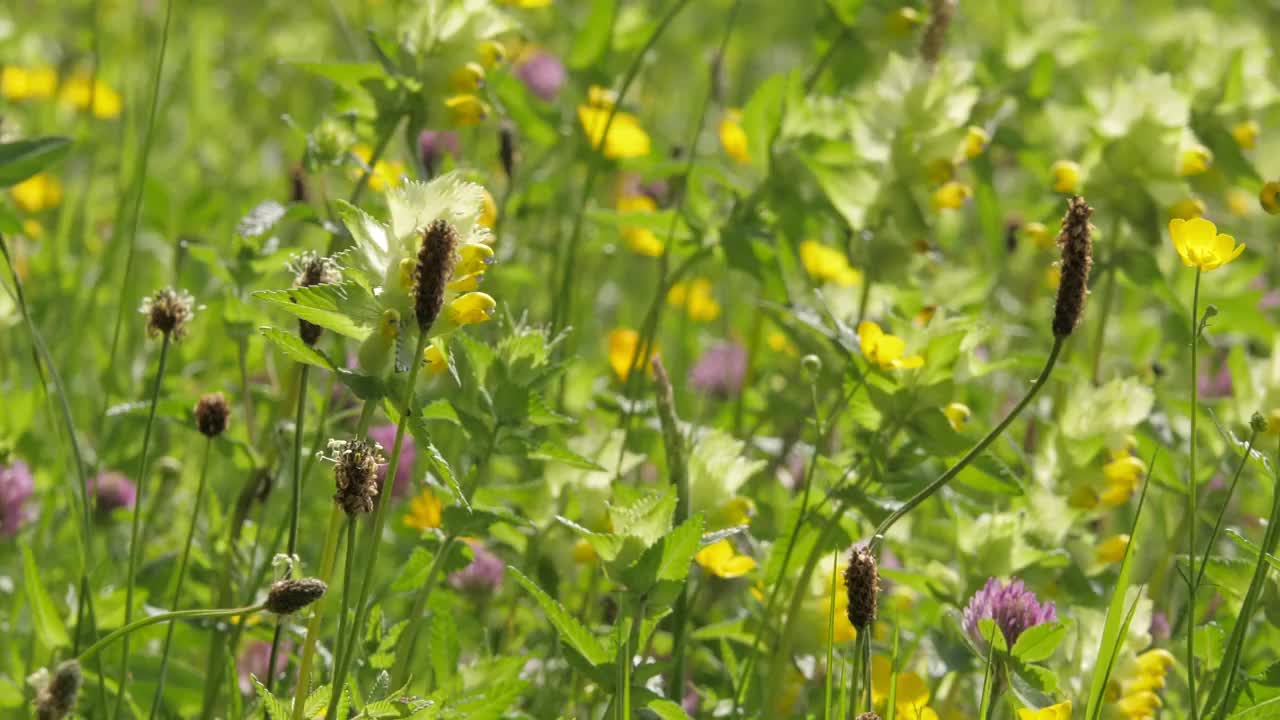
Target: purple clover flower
{"type": "Point", "coordinates": [1215, 383]}
{"type": "Point", "coordinates": [385, 435]}
{"type": "Point", "coordinates": [253, 662]}
{"type": "Point", "coordinates": [483, 576]}
{"type": "Point", "coordinates": [113, 491]}
{"type": "Point", "coordinates": [721, 370]}
{"type": "Point", "coordinates": [16, 486]}
{"type": "Point", "coordinates": [1013, 608]}
{"type": "Point", "coordinates": [543, 74]}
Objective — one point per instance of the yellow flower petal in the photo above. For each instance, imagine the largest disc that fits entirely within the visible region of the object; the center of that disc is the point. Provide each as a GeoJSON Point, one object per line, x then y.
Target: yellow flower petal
{"type": "Point", "coordinates": [424, 511]}
{"type": "Point", "coordinates": [626, 139]}
{"type": "Point", "coordinates": [733, 138]}
{"type": "Point", "coordinates": [975, 141]}
{"type": "Point", "coordinates": [1112, 549]}
{"type": "Point", "coordinates": [957, 415]}
{"type": "Point", "coordinates": [951, 196]}
{"type": "Point", "coordinates": [1066, 176]}
{"type": "Point", "coordinates": [1245, 134]}
{"type": "Point", "coordinates": [472, 308]}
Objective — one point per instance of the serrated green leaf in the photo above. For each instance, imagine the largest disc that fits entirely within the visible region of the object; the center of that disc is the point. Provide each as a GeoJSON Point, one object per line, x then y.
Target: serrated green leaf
{"type": "Point", "coordinates": [678, 549]}
{"type": "Point", "coordinates": [551, 451]}
{"type": "Point", "coordinates": [275, 708]}
{"type": "Point", "coordinates": [345, 308]}
{"type": "Point", "coordinates": [571, 631]}
{"type": "Point", "coordinates": [292, 346]}
{"type": "Point", "coordinates": [44, 614]}
{"type": "Point", "coordinates": [444, 647]}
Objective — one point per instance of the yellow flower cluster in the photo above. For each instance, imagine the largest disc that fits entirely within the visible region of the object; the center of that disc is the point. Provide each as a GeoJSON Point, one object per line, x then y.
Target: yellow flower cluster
{"type": "Point", "coordinates": [696, 298]}
{"type": "Point", "coordinates": [625, 139]}
{"type": "Point", "coordinates": [80, 92]}
{"type": "Point", "coordinates": [385, 174]}
{"type": "Point", "coordinates": [733, 138]}
{"type": "Point", "coordinates": [641, 240]}
{"type": "Point", "coordinates": [1061, 711]}
{"type": "Point", "coordinates": [38, 192]}
{"type": "Point", "coordinates": [624, 347]}
{"type": "Point", "coordinates": [424, 511]}
{"type": "Point", "coordinates": [885, 350]}
{"type": "Point", "coordinates": [827, 264]}
{"type": "Point", "coordinates": [1135, 693]}
{"type": "Point", "coordinates": [722, 560]}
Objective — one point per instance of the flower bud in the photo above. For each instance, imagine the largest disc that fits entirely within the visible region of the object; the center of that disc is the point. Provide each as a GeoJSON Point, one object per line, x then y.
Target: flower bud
{"type": "Point", "coordinates": [1269, 197]}
{"type": "Point", "coordinates": [935, 35]}
{"type": "Point", "coordinates": [212, 413]}
{"type": "Point", "coordinates": [312, 268]}
{"type": "Point", "coordinates": [1076, 242]}
{"type": "Point", "coordinates": [289, 596]}
{"type": "Point", "coordinates": [57, 698]}
{"type": "Point", "coordinates": [868, 716]}
{"type": "Point", "coordinates": [168, 312]}
{"type": "Point", "coordinates": [812, 366]}
{"type": "Point", "coordinates": [355, 473]}
{"type": "Point", "coordinates": [436, 260]}
{"type": "Point", "coordinates": [862, 582]}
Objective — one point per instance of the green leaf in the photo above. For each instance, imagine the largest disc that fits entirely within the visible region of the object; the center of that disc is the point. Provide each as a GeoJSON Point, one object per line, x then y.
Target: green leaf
{"type": "Point", "coordinates": [346, 75]}
{"type": "Point", "coordinates": [1039, 642]}
{"type": "Point", "coordinates": [1032, 684]}
{"type": "Point", "coordinates": [345, 308]}
{"type": "Point", "coordinates": [666, 709]}
{"type": "Point", "coordinates": [44, 614]}
{"type": "Point", "coordinates": [551, 451]}
{"type": "Point", "coordinates": [276, 708]}
{"type": "Point", "coordinates": [439, 466]}
{"type": "Point", "coordinates": [678, 549]}
{"type": "Point", "coordinates": [571, 631]}
{"type": "Point", "coordinates": [444, 646]}
{"type": "Point", "coordinates": [1252, 549]}
{"type": "Point", "coordinates": [293, 346]}
{"type": "Point", "coordinates": [592, 41]}
{"type": "Point", "coordinates": [317, 701]}
{"type": "Point", "coordinates": [991, 632]}
{"type": "Point", "coordinates": [21, 159]}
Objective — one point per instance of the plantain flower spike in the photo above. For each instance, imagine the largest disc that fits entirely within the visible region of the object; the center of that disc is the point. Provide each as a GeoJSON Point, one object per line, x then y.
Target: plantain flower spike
{"type": "Point", "coordinates": [1076, 242]}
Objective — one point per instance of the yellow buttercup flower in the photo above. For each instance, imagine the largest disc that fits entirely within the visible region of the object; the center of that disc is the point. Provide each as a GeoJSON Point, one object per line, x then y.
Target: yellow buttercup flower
{"type": "Point", "coordinates": [696, 298]}
{"type": "Point", "coordinates": [1187, 208]}
{"type": "Point", "coordinates": [434, 361]}
{"type": "Point", "coordinates": [385, 173]}
{"type": "Point", "coordinates": [911, 688]}
{"type": "Point", "coordinates": [887, 351]}
{"type": "Point", "coordinates": [957, 415]}
{"type": "Point", "coordinates": [1066, 176]}
{"type": "Point", "coordinates": [975, 141]}
{"type": "Point", "coordinates": [1239, 202]}
{"type": "Point", "coordinates": [624, 345]}
{"type": "Point", "coordinates": [721, 560]}
{"type": "Point", "coordinates": [641, 240]}
{"type": "Point", "coordinates": [626, 139]}
{"type": "Point", "coordinates": [80, 92]}
{"type": "Point", "coordinates": [1269, 197]}
{"type": "Point", "coordinates": [951, 196]}
{"type": "Point", "coordinates": [466, 110]}
{"type": "Point", "coordinates": [1112, 549]}
{"type": "Point", "coordinates": [1246, 134]}
{"type": "Point", "coordinates": [22, 83]}
{"type": "Point", "coordinates": [827, 264]}
{"type": "Point", "coordinates": [38, 192]}
{"type": "Point", "coordinates": [733, 138]}
{"type": "Point", "coordinates": [472, 308]}
{"type": "Point", "coordinates": [1061, 711]}
{"type": "Point", "coordinates": [1200, 245]}
{"type": "Point", "coordinates": [425, 511]}
{"type": "Point", "coordinates": [1194, 160]}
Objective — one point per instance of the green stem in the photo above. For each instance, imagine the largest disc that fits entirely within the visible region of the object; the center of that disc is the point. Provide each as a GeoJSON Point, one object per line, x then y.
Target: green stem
{"type": "Point", "coordinates": [327, 560]}
{"type": "Point", "coordinates": [1226, 677]}
{"type": "Point", "coordinates": [975, 451]}
{"type": "Point", "coordinates": [1217, 526]}
{"type": "Point", "coordinates": [405, 653]}
{"type": "Point", "coordinates": [162, 617]}
{"type": "Point", "coordinates": [180, 577]}
{"type": "Point", "coordinates": [136, 212]}
{"type": "Point", "coordinates": [1193, 502]}
{"type": "Point", "coordinates": [678, 470]}
{"type": "Point", "coordinates": [344, 606]}
{"type": "Point", "coordinates": [375, 532]}
{"type": "Point", "coordinates": [562, 307]}
{"type": "Point", "coordinates": [831, 641]}
{"type": "Point", "coordinates": [1100, 334]}
{"type": "Point", "coordinates": [135, 542]}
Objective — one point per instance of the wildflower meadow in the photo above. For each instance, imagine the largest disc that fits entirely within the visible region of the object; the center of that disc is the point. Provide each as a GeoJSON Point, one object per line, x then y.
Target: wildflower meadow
{"type": "Point", "coordinates": [664, 359]}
